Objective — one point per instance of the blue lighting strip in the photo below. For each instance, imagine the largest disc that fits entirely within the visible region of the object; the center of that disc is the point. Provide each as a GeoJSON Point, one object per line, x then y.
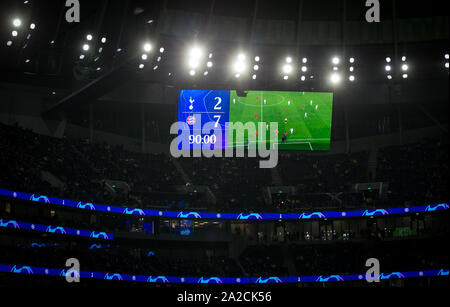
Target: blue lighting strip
{"type": "Point", "coordinates": [56, 229]}
{"type": "Point", "coordinates": [231, 216]}
{"type": "Point", "coordinates": [215, 280]}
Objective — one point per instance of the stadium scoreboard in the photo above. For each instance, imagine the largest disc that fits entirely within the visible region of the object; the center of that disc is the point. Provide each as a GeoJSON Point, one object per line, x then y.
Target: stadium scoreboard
{"type": "Point", "coordinates": [304, 118]}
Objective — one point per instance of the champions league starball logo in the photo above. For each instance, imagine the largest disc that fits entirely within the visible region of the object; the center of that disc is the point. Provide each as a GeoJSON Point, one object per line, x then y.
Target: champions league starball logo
{"type": "Point", "coordinates": [157, 279]}
{"type": "Point", "coordinates": [249, 216]}
{"type": "Point", "coordinates": [22, 269]}
{"type": "Point", "coordinates": [113, 276]}
{"type": "Point", "coordinates": [133, 211]}
{"type": "Point", "coordinates": [393, 275]}
{"type": "Point", "coordinates": [39, 198]}
{"type": "Point", "coordinates": [266, 280]}
{"type": "Point", "coordinates": [99, 235]}
{"type": "Point", "coordinates": [210, 280]}
{"type": "Point", "coordinates": [9, 223]}
{"type": "Point", "coordinates": [193, 215]}
{"type": "Point", "coordinates": [323, 278]}
{"type": "Point", "coordinates": [56, 229]}
{"type": "Point", "coordinates": [431, 208]}
{"type": "Point", "coordinates": [313, 215]}
{"type": "Point", "coordinates": [88, 206]}
{"type": "Point", "coordinates": [375, 212]}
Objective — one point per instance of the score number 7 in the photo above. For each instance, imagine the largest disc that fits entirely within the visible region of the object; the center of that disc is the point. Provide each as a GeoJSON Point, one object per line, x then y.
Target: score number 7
{"type": "Point", "coordinates": [217, 107]}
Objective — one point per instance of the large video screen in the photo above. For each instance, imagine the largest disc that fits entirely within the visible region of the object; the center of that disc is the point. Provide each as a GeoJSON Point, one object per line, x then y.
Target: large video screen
{"type": "Point", "coordinates": [304, 118]}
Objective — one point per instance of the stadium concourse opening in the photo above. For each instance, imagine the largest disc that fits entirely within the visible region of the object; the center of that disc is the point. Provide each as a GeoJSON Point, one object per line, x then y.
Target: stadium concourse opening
{"type": "Point", "coordinates": [350, 97]}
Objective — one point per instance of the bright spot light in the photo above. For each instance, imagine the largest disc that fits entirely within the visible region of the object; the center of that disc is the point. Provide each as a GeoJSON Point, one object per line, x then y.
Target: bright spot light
{"type": "Point", "coordinates": [32, 26]}
{"type": "Point", "coordinates": [403, 58]}
{"type": "Point", "coordinates": [14, 33]}
{"type": "Point", "coordinates": [8, 43]}
{"type": "Point", "coordinates": [254, 77]}
{"type": "Point", "coordinates": [405, 76]}
{"type": "Point", "coordinates": [103, 40]}
{"type": "Point", "coordinates": [335, 60]}
{"type": "Point", "coordinates": [209, 64]}
{"type": "Point", "coordinates": [388, 68]}
{"type": "Point", "coordinates": [288, 59]}
{"type": "Point", "coordinates": [257, 58]}
{"type": "Point", "coordinates": [205, 73]}
{"type": "Point", "coordinates": [389, 77]}
{"type": "Point", "coordinates": [17, 22]}
{"type": "Point", "coordinates": [305, 60]}
{"type": "Point", "coordinates": [303, 78]}
{"type": "Point", "coordinates": [192, 72]}
{"type": "Point", "coordinates": [161, 49]}
{"type": "Point", "coordinates": [351, 78]}
{"type": "Point", "coordinates": [237, 75]}
{"type": "Point", "coordinates": [404, 67]}
{"type": "Point", "coordinates": [256, 67]}
{"type": "Point", "coordinates": [158, 59]}
{"type": "Point", "coordinates": [351, 68]}
{"type": "Point", "coordinates": [195, 52]}
{"type": "Point", "coordinates": [193, 63]}
{"type": "Point", "coordinates": [81, 56]}
{"type": "Point", "coordinates": [147, 47]}
{"type": "Point", "coordinates": [352, 60]}
{"type": "Point", "coordinates": [446, 65]}
{"type": "Point", "coordinates": [286, 77]}
{"type": "Point", "coordinates": [155, 67]}
{"type": "Point", "coordinates": [335, 78]}
{"type": "Point", "coordinates": [388, 60]}
{"type": "Point", "coordinates": [239, 67]}
{"type": "Point", "coordinates": [144, 56]}
{"type": "Point", "coordinates": [335, 68]}
{"type": "Point", "coordinates": [141, 66]}
{"type": "Point", "coordinates": [85, 47]}
{"type": "Point", "coordinates": [210, 55]}
{"type": "Point", "coordinates": [287, 69]}
{"type": "Point", "coordinates": [304, 68]}
{"type": "Point", "coordinates": [241, 57]}
{"type": "Point", "coordinates": [89, 37]}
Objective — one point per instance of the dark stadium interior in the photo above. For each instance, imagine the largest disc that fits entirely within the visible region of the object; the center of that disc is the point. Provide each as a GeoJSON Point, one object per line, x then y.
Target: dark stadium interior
{"type": "Point", "coordinates": [93, 126]}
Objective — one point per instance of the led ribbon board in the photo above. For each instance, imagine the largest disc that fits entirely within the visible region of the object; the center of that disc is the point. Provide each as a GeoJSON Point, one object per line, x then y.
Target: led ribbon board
{"type": "Point", "coordinates": [216, 280]}
{"type": "Point", "coordinates": [304, 119]}
{"type": "Point", "coordinates": [40, 199]}
{"type": "Point", "coordinates": [55, 229]}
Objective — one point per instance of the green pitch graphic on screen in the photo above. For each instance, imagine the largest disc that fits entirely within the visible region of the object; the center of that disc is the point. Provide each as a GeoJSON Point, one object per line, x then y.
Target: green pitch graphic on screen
{"type": "Point", "coordinates": [304, 118]}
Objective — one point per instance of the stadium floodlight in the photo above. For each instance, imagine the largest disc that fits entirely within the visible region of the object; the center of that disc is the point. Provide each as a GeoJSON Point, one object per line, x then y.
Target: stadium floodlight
{"type": "Point", "coordinates": [335, 78]}
{"type": "Point", "coordinates": [147, 47]}
{"type": "Point", "coordinates": [389, 77]}
{"type": "Point", "coordinates": [388, 60]}
{"type": "Point", "coordinates": [89, 37]}
{"type": "Point", "coordinates": [32, 26]}
{"type": "Point", "coordinates": [287, 69]}
{"type": "Point", "coordinates": [195, 52]}
{"type": "Point", "coordinates": [352, 60]}
{"type": "Point", "coordinates": [98, 68]}
{"type": "Point", "coordinates": [256, 67]}
{"type": "Point", "coordinates": [256, 58]}
{"type": "Point", "coordinates": [351, 69]}
{"type": "Point", "coordinates": [158, 59]}
{"type": "Point", "coordinates": [103, 40]}
{"type": "Point", "coordinates": [304, 60]}
{"type": "Point", "coordinates": [161, 49]}
{"type": "Point", "coordinates": [446, 65]}
{"type": "Point", "coordinates": [254, 77]}
{"type": "Point", "coordinates": [335, 60]}
{"type": "Point", "coordinates": [289, 60]}
{"type": "Point", "coordinates": [237, 75]}
{"type": "Point", "coordinates": [388, 67]}
{"type": "Point", "coordinates": [155, 67]}
{"type": "Point", "coordinates": [209, 64]}
{"type": "Point", "coordinates": [81, 56]}
{"type": "Point", "coordinates": [144, 56]}
{"type": "Point", "coordinates": [241, 57]}
{"type": "Point", "coordinates": [8, 43]}
{"type": "Point", "coordinates": [403, 58]}
{"type": "Point", "coordinates": [192, 72]}
{"type": "Point", "coordinates": [239, 67]}
{"type": "Point", "coordinates": [304, 68]}
{"type": "Point", "coordinates": [351, 78]}
{"type": "Point", "coordinates": [303, 78]}
{"type": "Point", "coordinates": [405, 76]}
{"type": "Point", "coordinates": [17, 22]}
{"type": "Point", "coordinates": [335, 68]}
{"type": "Point", "coordinates": [286, 77]}
{"type": "Point", "coordinates": [86, 47]}
{"type": "Point", "coordinates": [193, 63]}
{"type": "Point", "coordinates": [205, 73]}
{"type": "Point", "coordinates": [141, 66]}
{"type": "Point", "coordinates": [404, 67]}
{"type": "Point", "coordinates": [14, 33]}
